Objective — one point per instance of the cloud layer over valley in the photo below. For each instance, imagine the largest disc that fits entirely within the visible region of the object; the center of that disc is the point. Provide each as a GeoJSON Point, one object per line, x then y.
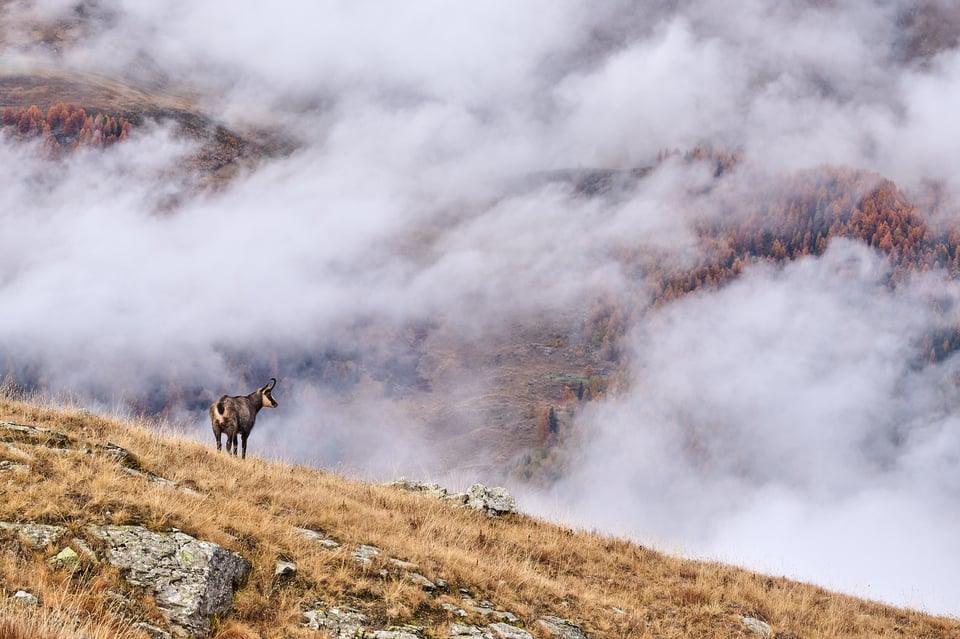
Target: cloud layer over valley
{"type": "Point", "coordinates": [791, 420]}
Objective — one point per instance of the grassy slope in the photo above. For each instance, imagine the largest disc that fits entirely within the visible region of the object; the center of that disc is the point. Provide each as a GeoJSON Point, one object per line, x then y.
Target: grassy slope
{"type": "Point", "coordinates": [529, 567]}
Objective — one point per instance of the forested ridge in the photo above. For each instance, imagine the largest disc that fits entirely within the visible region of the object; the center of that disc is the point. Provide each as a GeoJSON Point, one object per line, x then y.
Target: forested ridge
{"type": "Point", "coordinates": [794, 216]}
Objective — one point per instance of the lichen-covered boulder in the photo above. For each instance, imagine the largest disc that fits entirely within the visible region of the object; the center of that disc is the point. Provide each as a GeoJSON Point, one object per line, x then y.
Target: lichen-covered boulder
{"type": "Point", "coordinates": [190, 580]}
{"type": "Point", "coordinates": [494, 501]}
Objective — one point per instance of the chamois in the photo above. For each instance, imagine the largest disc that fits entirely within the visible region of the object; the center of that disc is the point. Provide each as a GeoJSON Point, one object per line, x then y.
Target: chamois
{"type": "Point", "coordinates": [235, 415]}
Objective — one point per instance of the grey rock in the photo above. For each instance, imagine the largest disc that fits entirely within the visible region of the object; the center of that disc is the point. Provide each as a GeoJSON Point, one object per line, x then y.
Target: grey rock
{"type": "Point", "coordinates": [457, 498]}
{"type": "Point", "coordinates": [399, 632]}
{"type": "Point", "coordinates": [458, 630]}
{"type": "Point", "coordinates": [561, 628]}
{"type": "Point", "coordinates": [38, 536]}
{"type": "Point", "coordinates": [320, 538]}
{"type": "Point", "coordinates": [756, 626]}
{"type": "Point", "coordinates": [364, 554]}
{"type": "Point", "coordinates": [190, 580]}
{"type": "Point", "coordinates": [33, 435]}
{"type": "Point", "coordinates": [122, 455]}
{"type": "Point", "coordinates": [493, 501]}
{"type": "Point", "coordinates": [155, 479]}
{"type": "Point", "coordinates": [67, 559]}
{"type": "Point", "coordinates": [24, 598]}
{"type": "Point", "coordinates": [86, 552]}
{"type": "Point", "coordinates": [285, 569]}
{"type": "Point", "coordinates": [455, 610]}
{"type": "Point", "coordinates": [506, 631]}
{"type": "Point", "coordinates": [487, 609]}
{"type": "Point", "coordinates": [341, 624]}
{"type": "Point", "coordinates": [7, 466]}
{"type": "Point", "coordinates": [414, 486]}
{"type": "Point", "coordinates": [421, 581]}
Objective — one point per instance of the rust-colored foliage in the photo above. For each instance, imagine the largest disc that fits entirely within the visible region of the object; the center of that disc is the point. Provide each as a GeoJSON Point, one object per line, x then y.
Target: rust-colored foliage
{"type": "Point", "coordinates": [65, 126]}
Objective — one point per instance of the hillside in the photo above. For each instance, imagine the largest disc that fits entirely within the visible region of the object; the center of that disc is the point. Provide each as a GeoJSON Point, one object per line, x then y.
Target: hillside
{"type": "Point", "coordinates": [70, 474]}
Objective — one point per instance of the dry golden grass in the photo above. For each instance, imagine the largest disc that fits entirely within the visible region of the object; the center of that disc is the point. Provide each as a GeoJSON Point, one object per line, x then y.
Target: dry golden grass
{"type": "Point", "coordinates": [611, 587]}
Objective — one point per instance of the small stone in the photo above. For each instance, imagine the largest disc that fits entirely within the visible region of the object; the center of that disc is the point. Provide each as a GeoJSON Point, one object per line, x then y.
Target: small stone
{"type": "Point", "coordinates": [561, 628]}
{"type": "Point", "coordinates": [66, 559]}
{"type": "Point", "coordinates": [24, 598]}
{"type": "Point", "coordinates": [487, 609]}
{"type": "Point", "coordinates": [457, 611]}
{"type": "Point", "coordinates": [464, 630]}
{"type": "Point", "coordinates": [285, 569]}
{"type": "Point", "coordinates": [756, 626]}
{"type": "Point", "coordinates": [506, 631]}
{"type": "Point", "coordinates": [364, 554]}
{"type": "Point", "coordinates": [414, 486]}
{"type": "Point", "coordinates": [7, 466]}
{"type": "Point", "coordinates": [342, 624]}
{"type": "Point", "coordinates": [313, 535]}
{"type": "Point", "coordinates": [421, 581]}
{"type": "Point", "coordinates": [394, 633]}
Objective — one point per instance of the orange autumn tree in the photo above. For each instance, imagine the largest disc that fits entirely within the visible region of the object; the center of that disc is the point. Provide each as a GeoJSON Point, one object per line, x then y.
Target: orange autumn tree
{"type": "Point", "coordinates": [65, 126]}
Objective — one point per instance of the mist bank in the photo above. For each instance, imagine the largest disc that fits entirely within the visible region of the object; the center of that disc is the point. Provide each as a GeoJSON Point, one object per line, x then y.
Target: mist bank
{"type": "Point", "coordinates": [790, 422]}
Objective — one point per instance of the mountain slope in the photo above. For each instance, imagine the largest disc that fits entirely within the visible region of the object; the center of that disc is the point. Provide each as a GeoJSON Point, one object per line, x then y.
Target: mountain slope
{"type": "Point", "coordinates": [533, 569]}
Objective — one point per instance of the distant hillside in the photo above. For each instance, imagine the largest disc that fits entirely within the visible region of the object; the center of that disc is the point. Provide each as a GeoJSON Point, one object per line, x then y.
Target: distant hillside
{"type": "Point", "coordinates": [380, 561]}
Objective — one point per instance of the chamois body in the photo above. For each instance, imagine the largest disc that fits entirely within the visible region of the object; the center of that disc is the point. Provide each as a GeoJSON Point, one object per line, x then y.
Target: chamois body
{"type": "Point", "coordinates": [233, 416]}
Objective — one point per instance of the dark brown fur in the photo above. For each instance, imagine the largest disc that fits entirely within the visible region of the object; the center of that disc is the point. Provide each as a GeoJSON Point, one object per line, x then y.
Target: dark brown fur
{"type": "Point", "coordinates": [232, 416]}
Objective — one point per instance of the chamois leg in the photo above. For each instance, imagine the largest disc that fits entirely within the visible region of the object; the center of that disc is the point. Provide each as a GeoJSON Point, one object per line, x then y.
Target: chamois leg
{"type": "Point", "coordinates": [243, 439]}
{"type": "Point", "coordinates": [216, 435]}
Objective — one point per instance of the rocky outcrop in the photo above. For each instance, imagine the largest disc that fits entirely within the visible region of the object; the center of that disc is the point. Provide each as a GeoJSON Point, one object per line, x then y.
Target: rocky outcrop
{"type": "Point", "coordinates": [190, 580]}
{"type": "Point", "coordinates": [494, 501]}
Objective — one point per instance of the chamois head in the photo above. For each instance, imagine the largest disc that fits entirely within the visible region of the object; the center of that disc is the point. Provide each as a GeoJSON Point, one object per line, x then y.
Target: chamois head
{"type": "Point", "coordinates": [266, 392]}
